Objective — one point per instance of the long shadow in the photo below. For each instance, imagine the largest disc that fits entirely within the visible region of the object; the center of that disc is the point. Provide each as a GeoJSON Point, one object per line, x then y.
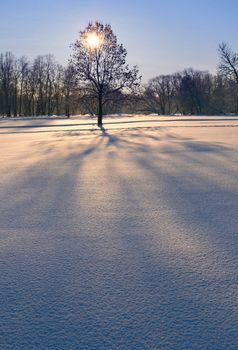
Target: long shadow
{"type": "Point", "coordinates": [44, 252]}
{"type": "Point", "coordinates": [136, 261]}
{"type": "Point", "coordinates": [174, 256]}
{"type": "Point", "coordinates": [37, 182]}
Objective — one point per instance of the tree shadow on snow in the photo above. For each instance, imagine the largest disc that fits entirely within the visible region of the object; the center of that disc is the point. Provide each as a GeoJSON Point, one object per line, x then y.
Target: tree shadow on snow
{"type": "Point", "coordinates": [144, 246]}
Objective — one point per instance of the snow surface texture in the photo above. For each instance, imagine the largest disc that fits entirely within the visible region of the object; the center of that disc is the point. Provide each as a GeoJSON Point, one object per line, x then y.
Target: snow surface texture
{"type": "Point", "coordinates": [124, 238]}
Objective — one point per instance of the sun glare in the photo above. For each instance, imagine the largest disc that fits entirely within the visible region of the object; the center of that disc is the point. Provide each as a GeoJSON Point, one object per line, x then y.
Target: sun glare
{"type": "Point", "coordinates": [93, 40]}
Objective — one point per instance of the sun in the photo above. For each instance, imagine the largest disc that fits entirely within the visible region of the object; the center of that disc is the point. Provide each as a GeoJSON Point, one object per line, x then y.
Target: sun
{"type": "Point", "coordinates": [93, 40]}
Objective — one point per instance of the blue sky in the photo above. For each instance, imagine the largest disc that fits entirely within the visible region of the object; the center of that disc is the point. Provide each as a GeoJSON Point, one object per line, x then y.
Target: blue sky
{"type": "Point", "coordinates": [161, 36]}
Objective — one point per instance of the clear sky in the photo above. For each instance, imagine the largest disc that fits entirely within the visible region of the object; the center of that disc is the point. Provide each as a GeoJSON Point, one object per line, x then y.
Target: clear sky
{"type": "Point", "coordinates": [161, 36]}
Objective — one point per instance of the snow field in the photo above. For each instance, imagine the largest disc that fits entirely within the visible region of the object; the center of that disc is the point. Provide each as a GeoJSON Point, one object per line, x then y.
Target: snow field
{"type": "Point", "coordinates": [123, 238]}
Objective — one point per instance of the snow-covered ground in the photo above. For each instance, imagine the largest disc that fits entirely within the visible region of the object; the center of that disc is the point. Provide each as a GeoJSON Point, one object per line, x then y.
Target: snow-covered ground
{"type": "Point", "coordinates": [122, 238]}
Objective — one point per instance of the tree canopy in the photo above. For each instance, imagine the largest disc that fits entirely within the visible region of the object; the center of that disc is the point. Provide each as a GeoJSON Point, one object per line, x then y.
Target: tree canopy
{"type": "Point", "coordinates": [101, 67]}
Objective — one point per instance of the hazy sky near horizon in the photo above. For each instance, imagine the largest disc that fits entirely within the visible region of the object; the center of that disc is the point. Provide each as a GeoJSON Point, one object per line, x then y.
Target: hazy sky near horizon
{"type": "Point", "coordinates": [161, 36]}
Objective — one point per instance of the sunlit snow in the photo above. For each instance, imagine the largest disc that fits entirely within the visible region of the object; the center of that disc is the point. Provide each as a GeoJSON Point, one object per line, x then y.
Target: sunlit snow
{"type": "Point", "coordinates": [120, 238]}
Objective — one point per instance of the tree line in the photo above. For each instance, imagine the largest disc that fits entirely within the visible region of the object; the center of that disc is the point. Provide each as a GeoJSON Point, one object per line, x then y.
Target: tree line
{"type": "Point", "coordinates": [43, 87]}
{"type": "Point", "coordinates": [196, 92]}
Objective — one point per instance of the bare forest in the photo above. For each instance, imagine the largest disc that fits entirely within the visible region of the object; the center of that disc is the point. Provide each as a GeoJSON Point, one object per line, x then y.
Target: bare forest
{"type": "Point", "coordinates": [43, 87]}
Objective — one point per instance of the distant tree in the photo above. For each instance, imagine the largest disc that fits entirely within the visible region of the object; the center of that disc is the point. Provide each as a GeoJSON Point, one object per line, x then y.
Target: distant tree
{"type": "Point", "coordinates": [228, 68]}
{"type": "Point", "coordinates": [7, 77]}
{"type": "Point", "coordinates": [194, 91]}
{"type": "Point", "coordinates": [187, 92]}
{"type": "Point", "coordinates": [98, 80]}
{"type": "Point", "coordinates": [100, 63]}
{"type": "Point", "coordinates": [58, 89]}
{"type": "Point", "coordinates": [228, 62]}
{"type": "Point", "coordinates": [23, 65]}
{"type": "Point", "coordinates": [159, 94]}
{"type": "Point", "coordinates": [69, 88]}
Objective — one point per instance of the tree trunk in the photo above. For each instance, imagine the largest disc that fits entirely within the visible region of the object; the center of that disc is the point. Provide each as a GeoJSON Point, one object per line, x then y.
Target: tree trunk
{"type": "Point", "coordinates": [67, 110]}
{"type": "Point", "coordinates": [15, 99]}
{"type": "Point", "coordinates": [100, 111]}
{"type": "Point", "coordinates": [20, 101]}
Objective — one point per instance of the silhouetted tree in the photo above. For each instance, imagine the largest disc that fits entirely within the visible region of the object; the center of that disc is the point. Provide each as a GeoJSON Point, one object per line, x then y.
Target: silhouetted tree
{"type": "Point", "coordinates": [101, 66]}
{"type": "Point", "coordinates": [228, 68]}
{"type": "Point", "coordinates": [194, 90]}
{"type": "Point", "coordinates": [99, 80]}
{"type": "Point", "coordinates": [69, 88]}
{"type": "Point", "coordinates": [228, 62]}
{"type": "Point", "coordinates": [7, 77]}
{"type": "Point", "coordinates": [159, 94]}
{"type": "Point", "coordinates": [23, 77]}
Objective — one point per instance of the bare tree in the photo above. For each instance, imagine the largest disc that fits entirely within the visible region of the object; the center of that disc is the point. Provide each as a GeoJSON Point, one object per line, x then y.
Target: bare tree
{"type": "Point", "coordinates": [228, 62]}
{"type": "Point", "coordinates": [23, 75]}
{"type": "Point", "coordinates": [7, 67]}
{"type": "Point", "coordinates": [58, 89]}
{"type": "Point", "coordinates": [194, 91]}
{"type": "Point", "coordinates": [69, 88]}
{"type": "Point", "coordinates": [99, 80]}
{"type": "Point", "coordinates": [101, 66]}
{"type": "Point", "coordinates": [159, 94]}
